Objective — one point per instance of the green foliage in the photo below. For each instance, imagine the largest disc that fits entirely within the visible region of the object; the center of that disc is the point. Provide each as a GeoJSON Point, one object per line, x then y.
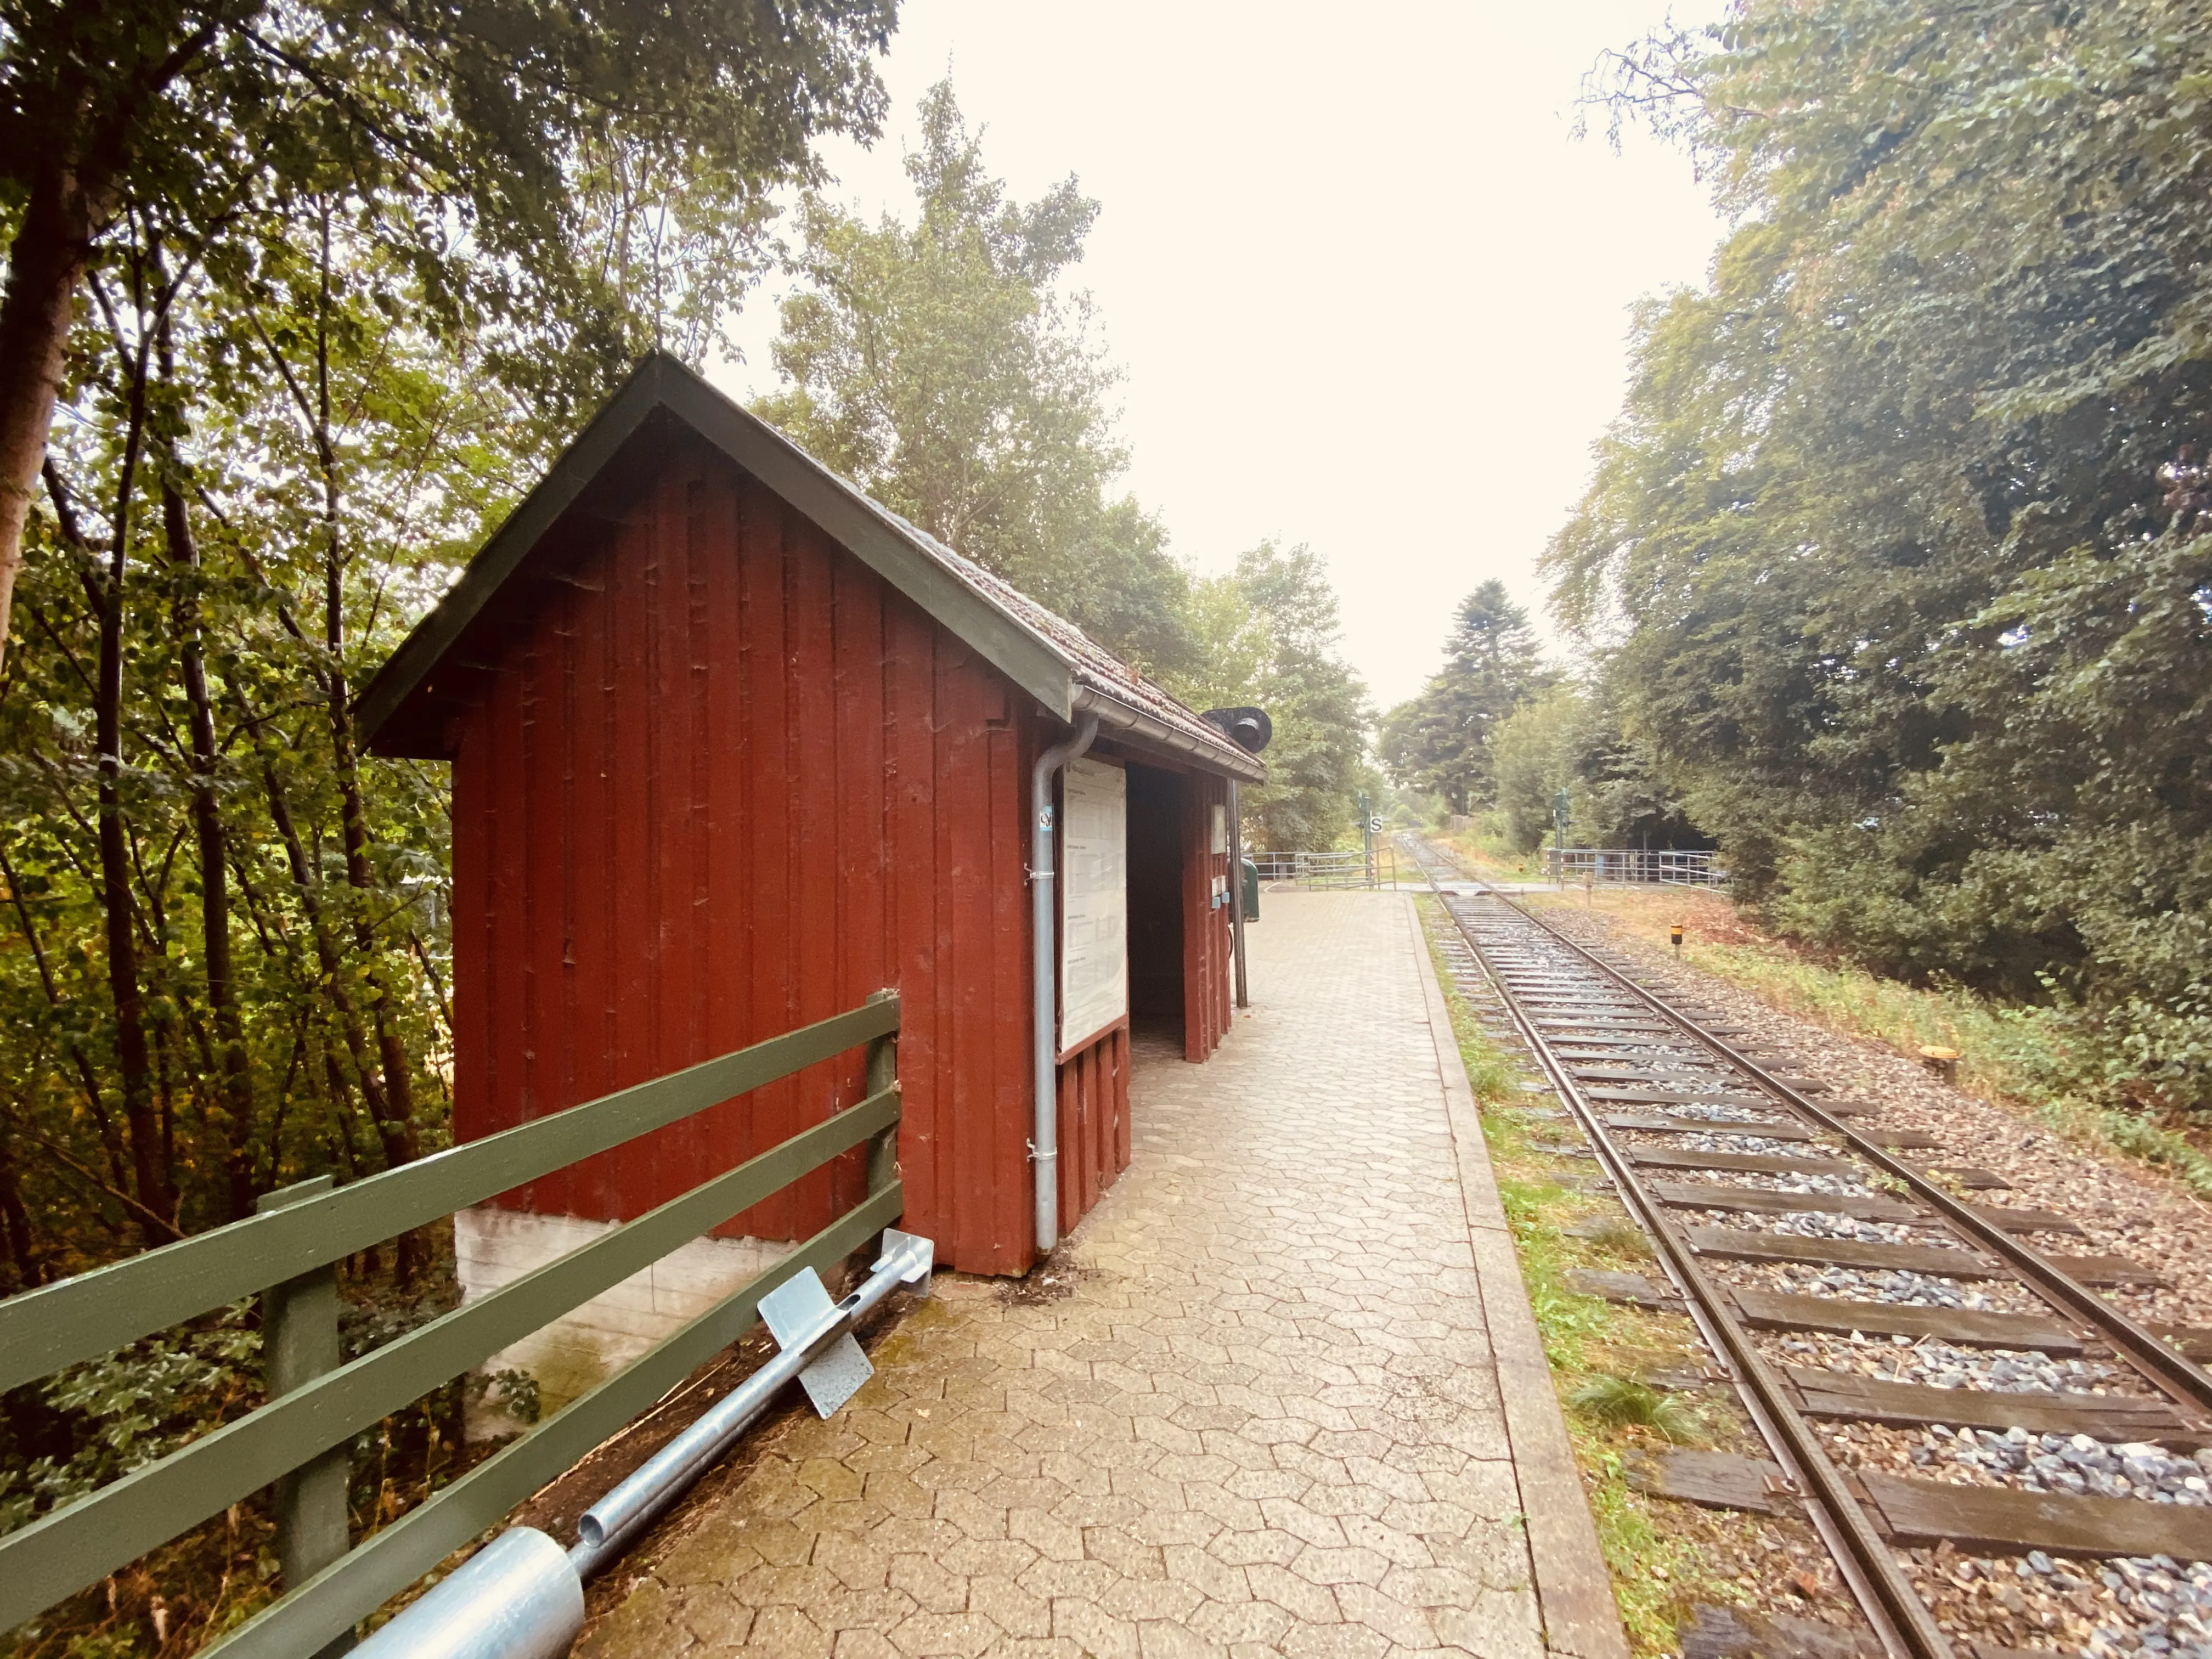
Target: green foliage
{"type": "Point", "coordinates": [1901, 536]}
{"type": "Point", "coordinates": [333, 283]}
{"type": "Point", "coordinates": [94, 1422]}
{"type": "Point", "coordinates": [347, 276]}
{"type": "Point", "coordinates": [1536, 753]}
{"type": "Point", "coordinates": [1439, 741]}
{"type": "Point", "coordinates": [552, 166]}
{"type": "Point", "coordinates": [1571, 737]}
{"type": "Point", "coordinates": [1265, 634]}
{"type": "Point", "coordinates": [944, 367]}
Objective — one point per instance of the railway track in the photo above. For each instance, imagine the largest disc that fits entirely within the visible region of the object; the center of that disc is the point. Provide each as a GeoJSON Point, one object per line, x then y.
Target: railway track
{"type": "Point", "coordinates": [1796, 1232]}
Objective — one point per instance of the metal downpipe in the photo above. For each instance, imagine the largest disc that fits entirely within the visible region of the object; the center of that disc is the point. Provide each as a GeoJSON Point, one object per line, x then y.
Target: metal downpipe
{"type": "Point", "coordinates": [1044, 1135]}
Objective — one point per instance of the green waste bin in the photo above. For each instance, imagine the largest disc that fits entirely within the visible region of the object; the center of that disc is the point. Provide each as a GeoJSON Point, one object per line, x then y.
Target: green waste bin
{"type": "Point", "coordinates": [1251, 890]}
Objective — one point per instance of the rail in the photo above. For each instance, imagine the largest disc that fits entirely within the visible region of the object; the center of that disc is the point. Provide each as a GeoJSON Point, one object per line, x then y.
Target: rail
{"type": "Point", "coordinates": [1657, 867]}
{"type": "Point", "coordinates": [1554, 989]}
{"type": "Point", "coordinates": [287, 1255]}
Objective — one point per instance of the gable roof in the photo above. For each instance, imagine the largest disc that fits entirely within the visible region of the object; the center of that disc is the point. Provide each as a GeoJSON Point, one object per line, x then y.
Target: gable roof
{"type": "Point", "coordinates": [1045, 654]}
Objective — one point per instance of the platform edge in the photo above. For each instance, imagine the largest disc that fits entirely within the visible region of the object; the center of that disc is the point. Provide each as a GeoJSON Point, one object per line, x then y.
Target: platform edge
{"type": "Point", "coordinates": [1574, 1587]}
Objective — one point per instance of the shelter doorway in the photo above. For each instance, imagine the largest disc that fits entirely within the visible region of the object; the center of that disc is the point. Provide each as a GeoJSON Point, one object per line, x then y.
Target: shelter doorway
{"type": "Point", "coordinates": [1155, 899]}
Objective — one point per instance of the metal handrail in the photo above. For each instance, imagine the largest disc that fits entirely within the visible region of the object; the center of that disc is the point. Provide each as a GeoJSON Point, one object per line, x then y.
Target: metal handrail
{"type": "Point", "coordinates": [1663, 866]}
{"type": "Point", "coordinates": [77, 1545]}
{"type": "Point", "coordinates": [1351, 867]}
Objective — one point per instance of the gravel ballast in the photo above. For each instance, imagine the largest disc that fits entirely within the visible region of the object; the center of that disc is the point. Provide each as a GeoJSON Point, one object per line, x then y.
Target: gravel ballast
{"type": "Point", "coordinates": [2153, 1607]}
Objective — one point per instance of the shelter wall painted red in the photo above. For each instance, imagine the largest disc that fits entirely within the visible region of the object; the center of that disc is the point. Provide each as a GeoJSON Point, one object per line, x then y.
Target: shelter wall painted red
{"type": "Point", "coordinates": [1094, 1122]}
{"type": "Point", "coordinates": [1206, 937]}
{"type": "Point", "coordinates": [721, 781]}
{"type": "Point", "coordinates": [726, 781]}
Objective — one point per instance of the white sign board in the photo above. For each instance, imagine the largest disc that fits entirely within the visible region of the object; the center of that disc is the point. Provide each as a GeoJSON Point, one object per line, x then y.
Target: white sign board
{"type": "Point", "coordinates": [1094, 902]}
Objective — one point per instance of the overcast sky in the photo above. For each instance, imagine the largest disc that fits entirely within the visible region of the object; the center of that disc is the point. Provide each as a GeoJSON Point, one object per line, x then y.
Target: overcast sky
{"type": "Point", "coordinates": [1368, 292]}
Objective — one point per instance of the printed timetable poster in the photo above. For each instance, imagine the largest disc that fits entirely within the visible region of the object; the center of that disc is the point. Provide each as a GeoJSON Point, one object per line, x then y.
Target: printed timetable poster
{"type": "Point", "coordinates": [1094, 902]}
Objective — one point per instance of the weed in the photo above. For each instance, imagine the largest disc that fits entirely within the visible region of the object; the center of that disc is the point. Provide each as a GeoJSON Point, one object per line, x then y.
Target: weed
{"type": "Point", "coordinates": [1617, 1234]}
{"type": "Point", "coordinates": [1622, 1402]}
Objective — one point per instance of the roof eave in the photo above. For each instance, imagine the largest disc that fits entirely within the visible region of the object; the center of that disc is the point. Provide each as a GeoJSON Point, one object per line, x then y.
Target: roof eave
{"type": "Point", "coordinates": [1123, 719]}
{"type": "Point", "coordinates": [661, 382]}
{"type": "Point", "coordinates": [850, 520]}
{"type": "Point", "coordinates": [595, 447]}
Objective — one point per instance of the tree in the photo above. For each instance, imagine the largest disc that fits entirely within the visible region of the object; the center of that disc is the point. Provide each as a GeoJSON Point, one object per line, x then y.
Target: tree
{"type": "Point", "coordinates": [347, 279]}
{"type": "Point", "coordinates": [1267, 634]}
{"type": "Point", "coordinates": [1439, 741]}
{"type": "Point", "coordinates": [209, 119]}
{"type": "Point", "coordinates": [1898, 533]}
{"type": "Point", "coordinates": [944, 367]}
{"type": "Point", "coordinates": [1571, 737]}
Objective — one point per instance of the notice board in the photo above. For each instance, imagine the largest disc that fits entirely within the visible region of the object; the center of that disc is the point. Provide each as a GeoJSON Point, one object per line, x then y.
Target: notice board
{"type": "Point", "coordinates": [1094, 900]}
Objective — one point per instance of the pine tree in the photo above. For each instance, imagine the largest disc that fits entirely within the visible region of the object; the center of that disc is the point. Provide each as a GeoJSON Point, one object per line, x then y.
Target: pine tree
{"type": "Point", "coordinates": [1439, 741]}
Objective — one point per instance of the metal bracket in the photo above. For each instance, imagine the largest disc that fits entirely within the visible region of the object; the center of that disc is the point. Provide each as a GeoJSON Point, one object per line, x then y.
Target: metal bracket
{"type": "Point", "coordinates": [795, 1313]}
{"type": "Point", "coordinates": [913, 1257]}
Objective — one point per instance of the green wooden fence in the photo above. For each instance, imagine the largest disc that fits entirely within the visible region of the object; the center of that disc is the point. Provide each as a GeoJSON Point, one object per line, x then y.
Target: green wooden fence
{"type": "Point", "coordinates": [286, 1254]}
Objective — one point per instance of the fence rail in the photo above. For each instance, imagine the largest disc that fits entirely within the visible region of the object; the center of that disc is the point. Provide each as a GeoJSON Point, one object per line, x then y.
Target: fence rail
{"type": "Point", "coordinates": [1330, 870]}
{"type": "Point", "coordinates": [287, 1255]}
{"type": "Point", "coordinates": [1649, 866]}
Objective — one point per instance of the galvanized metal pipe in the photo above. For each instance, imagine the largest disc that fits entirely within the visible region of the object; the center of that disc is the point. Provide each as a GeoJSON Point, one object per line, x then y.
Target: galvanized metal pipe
{"type": "Point", "coordinates": [516, 1598]}
{"type": "Point", "coordinates": [522, 1596]}
{"type": "Point", "coordinates": [619, 1516]}
{"type": "Point", "coordinates": [1044, 1134]}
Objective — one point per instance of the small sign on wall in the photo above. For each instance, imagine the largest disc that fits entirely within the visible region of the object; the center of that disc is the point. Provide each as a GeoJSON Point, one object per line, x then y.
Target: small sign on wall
{"type": "Point", "coordinates": [1221, 844]}
{"type": "Point", "coordinates": [1094, 902]}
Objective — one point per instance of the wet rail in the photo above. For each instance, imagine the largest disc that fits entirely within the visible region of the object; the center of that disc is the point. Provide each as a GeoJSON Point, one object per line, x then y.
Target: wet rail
{"type": "Point", "coordinates": [1793, 1231]}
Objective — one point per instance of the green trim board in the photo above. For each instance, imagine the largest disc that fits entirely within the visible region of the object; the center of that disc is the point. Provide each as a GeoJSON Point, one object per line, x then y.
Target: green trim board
{"type": "Point", "coordinates": [96, 1313]}
{"type": "Point", "coordinates": [381, 1566]}
{"type": "Point", "coordinates": [63, 1552]}
{"type": "Point", "coordinates": [660, 393]}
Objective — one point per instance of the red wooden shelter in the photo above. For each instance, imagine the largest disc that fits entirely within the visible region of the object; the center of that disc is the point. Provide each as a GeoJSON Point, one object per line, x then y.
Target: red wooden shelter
{"type": "Point", "coordinates": [734, 746]}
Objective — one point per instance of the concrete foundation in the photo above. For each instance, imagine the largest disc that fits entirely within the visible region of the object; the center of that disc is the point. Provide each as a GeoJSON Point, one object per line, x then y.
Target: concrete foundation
{"type": "Point", "coordinates": [492, 1248]}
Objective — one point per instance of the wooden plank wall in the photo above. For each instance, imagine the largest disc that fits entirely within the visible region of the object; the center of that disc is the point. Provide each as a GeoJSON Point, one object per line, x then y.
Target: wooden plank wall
{"type": "Point", "coordinates": [727, 783]}
{"type": "Point", "coordinates": [1094, 1123]}
{"type": "Point", "coordinates": [1205, 938]}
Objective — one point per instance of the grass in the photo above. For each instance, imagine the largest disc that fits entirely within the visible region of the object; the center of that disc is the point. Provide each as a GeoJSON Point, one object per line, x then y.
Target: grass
{"type": "Point", "coordinates": [1665, 1557]}
{"type": "Point", "coordinates": [1619, 1234]}
{"type": "Point", "coordinates": [2024, 1060]}
{"type": "Point", "coordinates": [1621, 1401]}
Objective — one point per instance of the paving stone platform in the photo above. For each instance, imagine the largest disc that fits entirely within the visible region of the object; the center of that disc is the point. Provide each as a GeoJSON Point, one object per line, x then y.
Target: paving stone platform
{"type": "Point", "coordinates": [1262, 1416]}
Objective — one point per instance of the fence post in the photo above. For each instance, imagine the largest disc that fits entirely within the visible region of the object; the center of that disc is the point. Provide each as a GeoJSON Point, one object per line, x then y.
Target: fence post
{"type": "Point", "coordinates": [299, 1343]}
{"type": "Point", "coordinates": [882, 1073]}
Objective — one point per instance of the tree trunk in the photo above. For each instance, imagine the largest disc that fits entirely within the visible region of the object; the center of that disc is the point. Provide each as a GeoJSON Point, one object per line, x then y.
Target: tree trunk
{"type": "Point", "coordinates": [45, 263]}
{"type": "Point", "coordinates": [109, 1142]}
{"type": "Point", "coordinates": [347, 1017]}
{"type": "Point", "coordinates": [16, 1224]}
{"type": "Point", "coordinates": [236, 1089]}
{"type": "Point", "coordinates": [395, 1122]}
{"type": "Point", "coordinates": [72, 195]}
{"type": "Point", "coordinates": [149, 1173]}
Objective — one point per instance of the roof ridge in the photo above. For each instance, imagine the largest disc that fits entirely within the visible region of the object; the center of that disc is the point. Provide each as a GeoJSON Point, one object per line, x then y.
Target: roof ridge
{"type": "Point", "coordinates": [1035, 646]}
